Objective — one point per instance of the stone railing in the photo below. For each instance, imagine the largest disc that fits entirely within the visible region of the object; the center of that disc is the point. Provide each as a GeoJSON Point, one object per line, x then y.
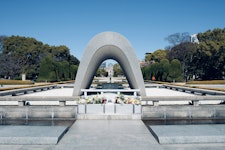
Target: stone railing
{"type": "Point", "coordinates": [194, 90]}
{"type": "Point", "coordinates": [102, 91]}
{"type": "Point", "coordinates": [194, 99]}
{"type": "Point", "coordinates": [26, 90]}
{"type": "Point", "coordinates": [37, 107]}
{"type": "Point", "coordinates": [63, 109]}
{"type": "Point", "coordinates": [24, 100]}
{"type": "Point", "coordinates": [52, 107]}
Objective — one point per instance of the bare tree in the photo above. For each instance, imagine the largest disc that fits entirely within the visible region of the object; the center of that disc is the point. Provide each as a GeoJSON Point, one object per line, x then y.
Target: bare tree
{"type": "Point", "coordinates": [10, 66]}
{"type": "Point", "coordinates": [1, 42]}
{"type": "Point", "coordinates": [178, 38]}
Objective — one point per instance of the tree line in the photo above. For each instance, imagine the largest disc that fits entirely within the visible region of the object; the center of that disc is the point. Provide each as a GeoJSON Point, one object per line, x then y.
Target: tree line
{"type": "Point", "coordinates": [38, 61]}
{"type": "Point", "coordinates": [181, 61]}
{"type": "Point", "coordinates": [184, 60]}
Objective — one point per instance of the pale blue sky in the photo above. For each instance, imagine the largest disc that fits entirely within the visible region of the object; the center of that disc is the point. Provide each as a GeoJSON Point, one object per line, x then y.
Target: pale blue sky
{"type": "Point", "coordinates": [145, 23]}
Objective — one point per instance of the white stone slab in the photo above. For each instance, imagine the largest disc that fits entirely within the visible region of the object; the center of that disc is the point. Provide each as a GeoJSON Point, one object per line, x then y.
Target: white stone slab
{"type": "Point", "coordinates": [189, 134]}
{"type": "Point", "coordinates": [81, 109]}
{"type": "Point", "coordinates": [109, 108]}
{"type": "Point", "coordinates": [94, 109]}
{"type": "Point", "coordinates": [31, 135]}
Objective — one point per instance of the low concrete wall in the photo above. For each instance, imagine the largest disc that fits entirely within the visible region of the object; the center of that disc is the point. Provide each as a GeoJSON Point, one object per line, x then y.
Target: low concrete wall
{"type": "Point", "coordinates": [183, 112]}
{"type": "Point", "coordinates": [148, 112]}
{"type": "Point", "coordinates": [37, 112]}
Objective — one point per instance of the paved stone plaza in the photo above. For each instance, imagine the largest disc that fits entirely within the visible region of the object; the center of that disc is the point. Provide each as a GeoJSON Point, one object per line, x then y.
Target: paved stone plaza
{"type": "Point", "coordinates": [149, 92]}
{"type": "Point", "coordinates": [112, 135]}
{"type": "Point", "coordinates": [31, 135]}
{"type": "Point", "coordinates": [117, 134]}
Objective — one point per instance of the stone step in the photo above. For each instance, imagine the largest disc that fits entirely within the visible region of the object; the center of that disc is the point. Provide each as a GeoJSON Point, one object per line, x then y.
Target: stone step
{"type": "Point", "coordinates": [109, 117]}
{"type": "Point", "coordinates": [189, 134]}
{"type": "Point", "coordinates": [31, 135]}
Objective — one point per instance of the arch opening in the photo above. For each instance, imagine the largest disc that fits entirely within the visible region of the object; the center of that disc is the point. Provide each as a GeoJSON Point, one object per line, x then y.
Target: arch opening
{"type": "Point", "coordinates": [104, 46]}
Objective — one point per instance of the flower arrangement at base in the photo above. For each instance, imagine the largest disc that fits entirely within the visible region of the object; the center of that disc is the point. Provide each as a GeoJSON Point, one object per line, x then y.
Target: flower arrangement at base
{"type": "Point", "coordinates": [92, 100]}
{"type": "Point", "coordinates": [97, 100]}
{"type": "Point", "coordinates": [120, 99]}
{"type": "Point", "coordinates": [132, 101]}
{"type": "Point", "coordinates": [82, 101]}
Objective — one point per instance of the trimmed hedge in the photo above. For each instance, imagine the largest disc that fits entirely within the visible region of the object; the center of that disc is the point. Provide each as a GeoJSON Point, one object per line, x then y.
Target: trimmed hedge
{"type": "Point", "coordinates": [207, 82]}
{"type": "Point", "coordinates": [15, 82]}
{"type": "Point", "coordinates": [200, 87]}
{"type": "Point", "coordinates": [22, 87]}
{"type": "Point", "coordinates": [156, 82]}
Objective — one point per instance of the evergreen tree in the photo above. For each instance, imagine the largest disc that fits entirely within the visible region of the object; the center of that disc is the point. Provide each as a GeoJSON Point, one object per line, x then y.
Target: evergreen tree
{"type": "Point", "coordinates": [27, 55]}
{"type": "Point", "coordinates": [47, 70]}
{"type": "Point", "coordinates": [175, 73]}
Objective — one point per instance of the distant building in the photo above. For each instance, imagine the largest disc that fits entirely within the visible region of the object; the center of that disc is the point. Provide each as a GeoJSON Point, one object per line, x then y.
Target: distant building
{"type": "Point", "coordinates": [194, 38]}
{"type": "Point", "coordinates": [143, 63]}
{"type": "Point", "coordinates": [109, 69]}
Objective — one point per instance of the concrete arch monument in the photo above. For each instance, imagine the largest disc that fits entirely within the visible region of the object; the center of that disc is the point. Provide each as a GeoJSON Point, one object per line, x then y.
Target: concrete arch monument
{"type": "Point", "coordinates": [103, 46]}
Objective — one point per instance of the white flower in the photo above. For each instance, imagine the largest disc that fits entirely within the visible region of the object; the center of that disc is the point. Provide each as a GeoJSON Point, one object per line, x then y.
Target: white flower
{"type": "Point", "coordinates": [82, 101]}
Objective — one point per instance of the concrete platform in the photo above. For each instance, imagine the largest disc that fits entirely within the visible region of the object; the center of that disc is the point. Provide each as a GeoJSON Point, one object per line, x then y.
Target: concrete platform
{"type": "Point", "coordinates": [111, 135]}
{"type": "Point", "coordinates": [31, 135]}
{"type": "Point", "coordinates": [107, 135]}
{"type": "Point", "coordinates": [189, 134]}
